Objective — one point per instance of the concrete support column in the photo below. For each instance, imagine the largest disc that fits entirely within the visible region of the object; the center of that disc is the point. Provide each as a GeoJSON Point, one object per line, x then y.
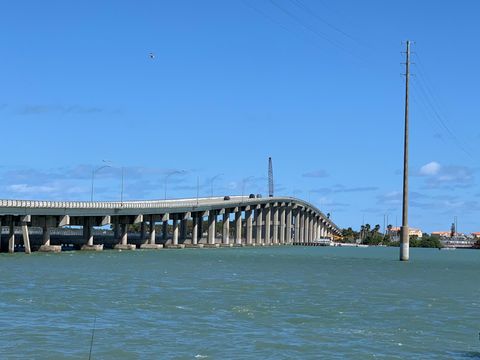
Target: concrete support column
{"type": "Point", "coordinates": [116, 228]}
{"type": "Point", "coordinates": [249, 227]}
{"type": "Point", "coordinates": [183, 229]}
{"type": "Point", "coordinates": [275, 225]}
{"type": "Point", "coordinates": [283, 228]}
{"type": "Point", "coordinates": [46, 235]}
{"type": "Point", "coordinates": [306, 231]}
{"type": "Point", "coordinates": [258, 226]}
{"type": "Point", "coordinates": [288, 225]}
{"type": "Point", "coordinates": [153, 234]}
{"type": "Point", "coordinates": [26, 238]}
{"type": "Point", "coordinates": [142, 231]}
{"type": "Point", "coordinates": [226, 227]}
{"type": "Point", "coordinates": [124, 234]}
{"type": "Point", "coordinates": [298, 219]}
{"type": "Point", "coordinates": [88, 231]}
{"type": "Point", "coordinates": [165, 230]}
{"type": "Point", "coordinates": [238, 227]}
{"type": "Point", "coordinates": [268, 225]}
{"type": "Point", "coordinates": [302, 227]}
{"type": "Point", "coordinates": [200, 228]}
{"type": "Point", "coordinates": [312, 228]}
{"type": "Point", "coordinates": [11, 238]}
{"type": "Point", "coordinates": [175, 231]}
{"type": "Point", "coordinates": [1, 228]}
{"type": "Point", "coordinates": [195, 218]}
{"type": "Point", "coordinates": [212, 219]}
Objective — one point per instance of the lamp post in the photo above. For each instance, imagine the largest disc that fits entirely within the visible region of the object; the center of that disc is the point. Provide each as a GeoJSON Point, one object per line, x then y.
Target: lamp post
{"type": "Point", "coordinates": [213, 180]}
{"type": "Point", "coordinates": [94, 171]}
{"type": "Point", "coordinates": [168, 175]}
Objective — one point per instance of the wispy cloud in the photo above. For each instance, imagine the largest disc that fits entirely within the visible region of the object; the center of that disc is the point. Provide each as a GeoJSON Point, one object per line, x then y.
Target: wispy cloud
{"type": "Point", "coordinates": [316, 174]}
{"type": "Point", "coordinates": [344, 189]}
{"type": "Point", "coordinates": [62, 109]}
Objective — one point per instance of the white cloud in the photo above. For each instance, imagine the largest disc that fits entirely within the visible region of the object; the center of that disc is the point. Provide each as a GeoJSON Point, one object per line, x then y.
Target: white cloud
{"type": "Point", "coordinates": [28, 189]}
{"type": "Point", "coordinates": [430, 169]}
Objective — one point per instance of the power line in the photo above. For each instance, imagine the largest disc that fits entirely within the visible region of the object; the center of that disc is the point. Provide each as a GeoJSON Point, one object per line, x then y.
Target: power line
{"type": "Point", "coordinates": [426, 91]}
{"type": "Point", "coordinates": [308, 10]}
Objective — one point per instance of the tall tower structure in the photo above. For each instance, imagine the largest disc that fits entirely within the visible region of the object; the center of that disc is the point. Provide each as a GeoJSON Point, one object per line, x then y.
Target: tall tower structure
{"type": "Point", "coordinates": [270, 177]}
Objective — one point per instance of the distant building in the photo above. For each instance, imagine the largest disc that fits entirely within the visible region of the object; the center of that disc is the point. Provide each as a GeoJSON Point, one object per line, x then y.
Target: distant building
{"type": "Point", "coordinates": [476, 235]}
{"type": "Point", "coordinates": [395, 231]}
{"type": "Point", "coordinates": [441, 233]}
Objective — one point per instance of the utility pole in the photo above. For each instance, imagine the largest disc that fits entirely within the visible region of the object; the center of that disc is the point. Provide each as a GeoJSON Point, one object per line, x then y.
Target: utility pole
{"type": "Point", "coordinates": [404, 238]}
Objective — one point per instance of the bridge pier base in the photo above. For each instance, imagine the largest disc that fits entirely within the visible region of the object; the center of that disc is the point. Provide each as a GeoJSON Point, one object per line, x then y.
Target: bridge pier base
{"type": "Point", "coordinates": [46, 247]}
{"type": "Point", "coordinates": [124, 245]}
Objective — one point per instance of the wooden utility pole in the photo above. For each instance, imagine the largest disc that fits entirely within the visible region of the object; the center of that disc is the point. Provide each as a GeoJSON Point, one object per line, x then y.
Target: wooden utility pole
{"type": "Point", "coordinates": [404, 238]}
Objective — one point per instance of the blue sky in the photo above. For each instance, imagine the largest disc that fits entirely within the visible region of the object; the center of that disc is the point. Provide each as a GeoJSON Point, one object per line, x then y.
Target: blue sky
{"type": "Point", "coordinates": [317, 85]}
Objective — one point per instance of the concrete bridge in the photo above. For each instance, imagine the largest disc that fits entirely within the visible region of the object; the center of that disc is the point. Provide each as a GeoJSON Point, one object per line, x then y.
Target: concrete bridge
{"type": "Point", "coordinates": [244, 221]}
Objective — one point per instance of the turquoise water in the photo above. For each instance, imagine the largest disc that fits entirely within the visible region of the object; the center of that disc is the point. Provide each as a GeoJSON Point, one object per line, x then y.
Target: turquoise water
{"type": "Point", "coordinates": [242, 303]}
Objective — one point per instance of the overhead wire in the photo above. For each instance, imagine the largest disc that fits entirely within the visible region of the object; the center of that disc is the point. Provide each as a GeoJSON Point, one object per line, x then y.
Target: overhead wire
{"type": "Point", "coordinates": [431, 103]}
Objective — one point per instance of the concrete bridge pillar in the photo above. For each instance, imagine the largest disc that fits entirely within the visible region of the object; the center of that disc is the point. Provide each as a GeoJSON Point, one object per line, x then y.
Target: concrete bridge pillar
{"type": "Point", "coordinates": [46, 235]}
{"type": "Point", "coordinates": [88, 231]}
{"type": "Point", "coordinates": [238, 227]}
{"type": "Point", "coordinates": [150, 243]}
{"type": "Point", "coordinates": [26, 237]}
{"type": "Point", "coordinates": [183, 229]}
{"type": "Point", "coordinates": [282, 228]}
{"type": "Point", "coordinates": [200, 228]}
{"type": "Point", "coordinates": [301, 237]}
{"type": "Point", "coordinates": [153, 234]}
{"type": "Point", "coordinates": [288, 225]}
{"type": "Point", "coordinates": [268, 226]}
{"type": "Point", "coordinates": [116, 228]}
{"type": "Point", "coordinates": [258, 226]}
{"type": "Point", "coordinates": [88, 235]}
{"type": "Point", "coordinates": [124, 245]}
{"type": "Point", "coordinates": [249, 227]}
{"type": "Point", "coordinates": [297, 226]}
{"type": "Point", "coordinates": [124, 240]}
{"type": "Point", "coordinates": [212, 219]}
{"type": "Point", "coordinates": [310, 228]}
{"type": "Point", "coordinates": [226, 227]}
{"type": "Point", "coordinates": [306, 231]}
{"type": "Point", "coordinates": [275, 225]}
{"type": "Point", "coordinates": [46, 247]}
{"type": "Point", "coordinates": [142, 231]}
{"type": "Point", "coordinates": [175, 231]}
{"type": "Point", "coordinates": [165, 230]}
{"type": "Point", "coordinates": [195, 218]}
{"type": "Point", "coordinates": [11, 237]}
